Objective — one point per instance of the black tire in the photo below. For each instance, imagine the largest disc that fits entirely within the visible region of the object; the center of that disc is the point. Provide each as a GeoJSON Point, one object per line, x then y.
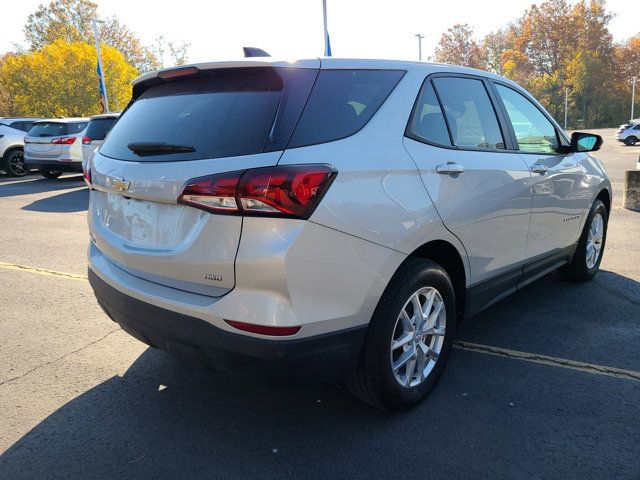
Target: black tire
{"type": "Point", "coordinates": [14, 164]}
{"type": "Point", "coordinates": [630, 141]}
{"type": "Point", "coordinates": [53, 174]}
{"type": "Point", "coordinates": [374, 381]}
{"type": "Point", "coordinates": [578, 270]}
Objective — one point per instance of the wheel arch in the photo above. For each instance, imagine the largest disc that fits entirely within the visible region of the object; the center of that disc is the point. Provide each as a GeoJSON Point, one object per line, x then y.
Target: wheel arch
{"type": "Point", "coordinates": [605, 197]}
{"type": "Point", "coordinates": [12, 148]}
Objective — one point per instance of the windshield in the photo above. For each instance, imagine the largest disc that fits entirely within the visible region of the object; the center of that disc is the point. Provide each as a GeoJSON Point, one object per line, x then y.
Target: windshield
{"type": "Point", "coordinates": [56, 129]}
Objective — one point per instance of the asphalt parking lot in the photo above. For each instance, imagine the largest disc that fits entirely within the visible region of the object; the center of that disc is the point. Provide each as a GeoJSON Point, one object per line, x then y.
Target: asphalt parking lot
{"type": "Point", "coordinates": [545, 384]}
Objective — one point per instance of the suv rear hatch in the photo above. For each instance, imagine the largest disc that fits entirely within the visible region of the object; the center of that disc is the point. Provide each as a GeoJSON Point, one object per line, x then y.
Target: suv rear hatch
{"type": "Point", "coordinates": [49, 140]}
{"type": "Point", "coordinates": [188, 123]}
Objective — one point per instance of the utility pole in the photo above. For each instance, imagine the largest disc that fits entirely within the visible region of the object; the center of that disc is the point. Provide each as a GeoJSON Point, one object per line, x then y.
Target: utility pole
{"type": "Point", "coordinates": [634, 79]}
{"type": "Point", "coordinates": [420, 37]}
{"type": "Point", "coordinates": [103, 87]}
{"type": "Point", "coordinates": [327, 44]}
{"type": "Point", "coordinates": [566, 103]}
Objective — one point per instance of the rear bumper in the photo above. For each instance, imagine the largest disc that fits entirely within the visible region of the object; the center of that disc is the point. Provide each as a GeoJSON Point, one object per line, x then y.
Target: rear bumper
{"type": "Point", "coordinates": [54, 165]}
{"type": "Point", "coordinates": [321, 358]}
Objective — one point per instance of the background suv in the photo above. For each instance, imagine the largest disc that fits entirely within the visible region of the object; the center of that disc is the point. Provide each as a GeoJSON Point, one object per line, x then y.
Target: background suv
{"type": "Point", "coordinates": [12, 132]}
{"type": "Point", "coordinates": [96, 131]}
{"type": "Point", "coordinates": [629, 133]}
{"type": "Point", "coordinates": [55, 146]}
{"type": "Point", "coordinates": [334, 218]}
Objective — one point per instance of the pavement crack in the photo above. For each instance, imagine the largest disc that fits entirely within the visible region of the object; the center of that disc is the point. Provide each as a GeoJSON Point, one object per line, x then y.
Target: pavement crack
{"type": "Point", "coordinates": [37, 367]}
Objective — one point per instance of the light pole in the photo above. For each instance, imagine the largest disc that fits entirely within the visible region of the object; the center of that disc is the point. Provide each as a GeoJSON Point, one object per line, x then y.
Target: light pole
{"type": "Point", "coordinates": [103, 87]}
{"type": "Point", "coordinates": [634, 79]}
{"type": "Point", "coordinates": [327, 44]}
{"type": "Point", "coordinates": [420, 37]}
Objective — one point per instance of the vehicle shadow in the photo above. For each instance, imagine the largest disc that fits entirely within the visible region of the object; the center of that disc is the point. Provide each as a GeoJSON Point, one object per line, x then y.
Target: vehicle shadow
{"type": "Point", "coordinates": [68, 202]}
{"type": "Point", "coordinates": [12, 187]}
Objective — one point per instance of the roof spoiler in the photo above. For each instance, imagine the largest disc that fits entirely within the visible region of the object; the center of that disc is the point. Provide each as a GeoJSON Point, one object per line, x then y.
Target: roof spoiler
{"type": "Point", "coordinates": [254, 52]}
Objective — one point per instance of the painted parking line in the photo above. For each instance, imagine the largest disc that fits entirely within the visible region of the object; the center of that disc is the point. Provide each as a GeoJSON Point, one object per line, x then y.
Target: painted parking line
{"type": "Point", "coordinates": [472, 347]}
{"type": "Point", "coordinates": [547, 360]}
{"type": "Point", "coordinates": [42, 271]}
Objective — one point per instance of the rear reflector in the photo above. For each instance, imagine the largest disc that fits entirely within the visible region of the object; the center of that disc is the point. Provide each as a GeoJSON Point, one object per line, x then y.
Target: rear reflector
{"type": "Point", "coordinates": [178, 72]}
{"type": "Point", "coordinates": [263, 329]}
{"type": "Point", "coordinates": [63, 141]}
{"type": "Point", "coordinates": [281, 191]}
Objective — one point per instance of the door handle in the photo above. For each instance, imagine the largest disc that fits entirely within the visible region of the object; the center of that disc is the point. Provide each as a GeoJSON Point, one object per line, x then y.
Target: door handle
{"type": "Point", "coordinates": [450, 168]}
{"type": "Point", "coordinates": [539, 168]}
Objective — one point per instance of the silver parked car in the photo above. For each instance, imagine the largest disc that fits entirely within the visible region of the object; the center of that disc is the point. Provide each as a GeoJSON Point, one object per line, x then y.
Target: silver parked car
{"type": "Point", "coordinates": [95, 133]}
{"type": "Point", "coordinates": [332, 218]}
{"type": "Point", "coordinates": [12, 132]}
{"type": "Point", "coordinates": [54, 146]}
{"type": "Point", "coordinates": [629, 133]}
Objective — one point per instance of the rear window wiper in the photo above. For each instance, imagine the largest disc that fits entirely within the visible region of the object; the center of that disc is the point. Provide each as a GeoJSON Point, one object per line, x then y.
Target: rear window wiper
{"type": "Point", "coordinates": [158, 148]}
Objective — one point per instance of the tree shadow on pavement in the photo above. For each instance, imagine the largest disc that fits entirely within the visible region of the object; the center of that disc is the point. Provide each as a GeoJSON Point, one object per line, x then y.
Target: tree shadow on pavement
{"type": "Point", "coordinates": [74, 201]}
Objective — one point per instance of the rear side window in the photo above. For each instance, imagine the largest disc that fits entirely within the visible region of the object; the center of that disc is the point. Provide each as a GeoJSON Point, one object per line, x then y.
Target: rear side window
{"type": "Point", "coordinates": [218, 113]}
{"type": "Point", "coordinates": [341, 103]}
{"type": "Point", "coordinates": [99, 127]}
{"type": "Point", "coordinates": [470, 114]}
{"type": "Point", "coordinates": [23, 126]}
{"type": "Point", "coordinates": [534, 132]}
{"type": "Point", "coordinates": [56, 129]}
{"type": "Point", "coordinates": [427, 122]}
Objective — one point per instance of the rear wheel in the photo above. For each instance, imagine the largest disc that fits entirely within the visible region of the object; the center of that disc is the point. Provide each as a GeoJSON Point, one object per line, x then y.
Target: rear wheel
{"type": "Point", "coordinates": [14, 164]}
{"type": "Point", "coordinates": [588, 255]}
{"type": "Point", "coordinates": [630, 140]}
{"type": "Point", "coordinates": [50, 173]}
{"type": "Point", "coordinates": [409, 338]}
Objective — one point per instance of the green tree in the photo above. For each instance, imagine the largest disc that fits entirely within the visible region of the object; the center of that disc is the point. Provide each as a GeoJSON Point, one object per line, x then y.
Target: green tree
{"type": "Point", "coordinates": [60, 79]}
{"type": "Point", "coordinates": [70, 21]}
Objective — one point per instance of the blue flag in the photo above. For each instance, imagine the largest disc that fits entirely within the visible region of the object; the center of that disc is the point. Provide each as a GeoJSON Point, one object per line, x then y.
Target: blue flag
{"type": "Point", "coordinates": [103, 94]}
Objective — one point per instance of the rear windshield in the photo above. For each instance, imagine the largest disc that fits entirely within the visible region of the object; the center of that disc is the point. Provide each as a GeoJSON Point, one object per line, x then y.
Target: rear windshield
{"type": "Point", "coordinates": [341, 103]}
{"type": "Point", "coordinates": [99, 127]}
{"type": "Point", "coordinates": [219, 113]}
{"type": "Point", "coordinates": [56, 129]}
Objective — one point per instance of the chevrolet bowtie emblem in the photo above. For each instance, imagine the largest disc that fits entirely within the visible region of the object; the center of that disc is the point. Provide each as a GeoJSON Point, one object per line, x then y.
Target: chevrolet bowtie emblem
{"type": "Point", "coordinates": [120, 184]}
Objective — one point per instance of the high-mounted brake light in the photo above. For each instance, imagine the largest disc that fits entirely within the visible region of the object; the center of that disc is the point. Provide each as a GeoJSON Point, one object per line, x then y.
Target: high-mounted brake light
{"type": "Point", "coordinates": [63, 141]}
{"type": "Point", "coordinates": [178, 72]}
{"type": "Point", "coordinates": [264, 329]}
{"type": "Point", "coordinates": [86, 140]}
{"type": "Point", "coordinates": [281, 191]}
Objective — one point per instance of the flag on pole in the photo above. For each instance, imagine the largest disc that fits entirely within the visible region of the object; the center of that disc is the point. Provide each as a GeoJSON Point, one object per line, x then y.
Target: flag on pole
{"type": "Point", "coordinates": [328, 46]}
{"type": "Point", "coordinates": [103, 93]}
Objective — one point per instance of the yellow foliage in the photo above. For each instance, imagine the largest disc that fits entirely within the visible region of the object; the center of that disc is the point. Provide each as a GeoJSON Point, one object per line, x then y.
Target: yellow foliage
{"type": "Point", "coordinates": [61, 80]}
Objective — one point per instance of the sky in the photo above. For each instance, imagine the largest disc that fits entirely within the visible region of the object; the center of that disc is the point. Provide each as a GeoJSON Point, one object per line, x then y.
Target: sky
{"type": "Point", "coordinates": [289, 29]}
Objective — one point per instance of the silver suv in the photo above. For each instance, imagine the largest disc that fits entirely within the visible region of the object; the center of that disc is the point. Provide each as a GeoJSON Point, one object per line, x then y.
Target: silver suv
{"type": "Point", "coordinates": [334, 219]}
{"type": "Point", "coordinates": [12, 132]}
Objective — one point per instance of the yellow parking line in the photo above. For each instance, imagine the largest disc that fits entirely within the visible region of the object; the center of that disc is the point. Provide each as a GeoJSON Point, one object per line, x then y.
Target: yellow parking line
{"type": "Point", "coordinates": [42, 271]}
{"type": "Point", "coordinates": [472, 347]}
{"type": "Point", "coordinates": [546, 360]}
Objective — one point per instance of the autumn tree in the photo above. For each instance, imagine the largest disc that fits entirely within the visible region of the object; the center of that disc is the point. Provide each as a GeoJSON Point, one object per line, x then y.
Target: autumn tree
{"type": "Point", "coordinates": [458, 46]}
{"type": "Point", "coordinates": [70, 21]}
{"type": "Point", "coordinates": [60, 79]}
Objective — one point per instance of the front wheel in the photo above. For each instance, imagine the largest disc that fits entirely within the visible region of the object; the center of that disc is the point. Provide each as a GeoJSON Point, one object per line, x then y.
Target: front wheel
{"type": "Point", "coordinates": [630, 141]}
{"type": "Point", "coordinates": [588, 255]}
{"type": "Point", "coordinates": [409, 339]}
{"type": "Point", "coordinates": [53, 174]}
{"type": "Point", "coordinates": [14, 164]}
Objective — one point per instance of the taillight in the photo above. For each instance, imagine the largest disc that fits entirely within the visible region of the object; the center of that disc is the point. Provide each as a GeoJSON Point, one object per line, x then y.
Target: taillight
{"type": "Point", "coordinates": [86, 173]}
{"type": "Point", "coordinates": [63, 141]}
{"type": "Point", "coordinates": [264, 329]}
{"type": "Point", "coordinates": [281, 191]}
{"type": "Point", "coordinates": [86, 140]}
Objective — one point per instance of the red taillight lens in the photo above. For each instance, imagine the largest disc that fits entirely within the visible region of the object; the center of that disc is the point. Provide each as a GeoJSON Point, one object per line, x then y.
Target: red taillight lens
{"type": "Point", "coordinates": [263, 329]}
{"type": "Point", "coordinates": [282, 191]}
{"type": "Point", "coordinates": [63, 140]}
{"type": "Point", "coordinates": [86, 140]}
{"type": "Point", "coordinates": [87, 174]}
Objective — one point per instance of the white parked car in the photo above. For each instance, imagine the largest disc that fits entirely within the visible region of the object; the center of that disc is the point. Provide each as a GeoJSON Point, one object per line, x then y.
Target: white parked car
{"type": "Point", "coordinates": [54, 146]}
{"type": "Point", "coordinates": [629, 133]}
{"type": "Point", "coordinates": [12, 132]}
{"type": "Point", "coordinates": [96, 131]}
{"type": "Point", "coordinates": [333, 218]}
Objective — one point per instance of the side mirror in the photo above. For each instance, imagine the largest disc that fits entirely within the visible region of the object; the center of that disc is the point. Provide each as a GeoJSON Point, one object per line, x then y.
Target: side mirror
{"type": "Point", "coordinates": [585, 142]}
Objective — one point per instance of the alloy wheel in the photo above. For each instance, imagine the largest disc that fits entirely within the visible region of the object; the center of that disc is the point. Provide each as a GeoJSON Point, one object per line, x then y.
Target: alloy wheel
{"type": "Point", "coordinates": [594, 241]}
{"type": "Point", "coordinates": [16, 165]}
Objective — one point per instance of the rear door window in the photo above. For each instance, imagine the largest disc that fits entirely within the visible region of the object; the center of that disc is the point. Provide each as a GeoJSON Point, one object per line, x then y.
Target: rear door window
{"type": "Point", "coordinates": [213, 114]}
{"type": "Point", "coordinates": [470, 114]}
{"type": "Point", "coordinates": [427, 122]}
{"type": "Point", "coordinates": [99, 127]}
{"type": "Point", "coordinates": [341, 103]}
